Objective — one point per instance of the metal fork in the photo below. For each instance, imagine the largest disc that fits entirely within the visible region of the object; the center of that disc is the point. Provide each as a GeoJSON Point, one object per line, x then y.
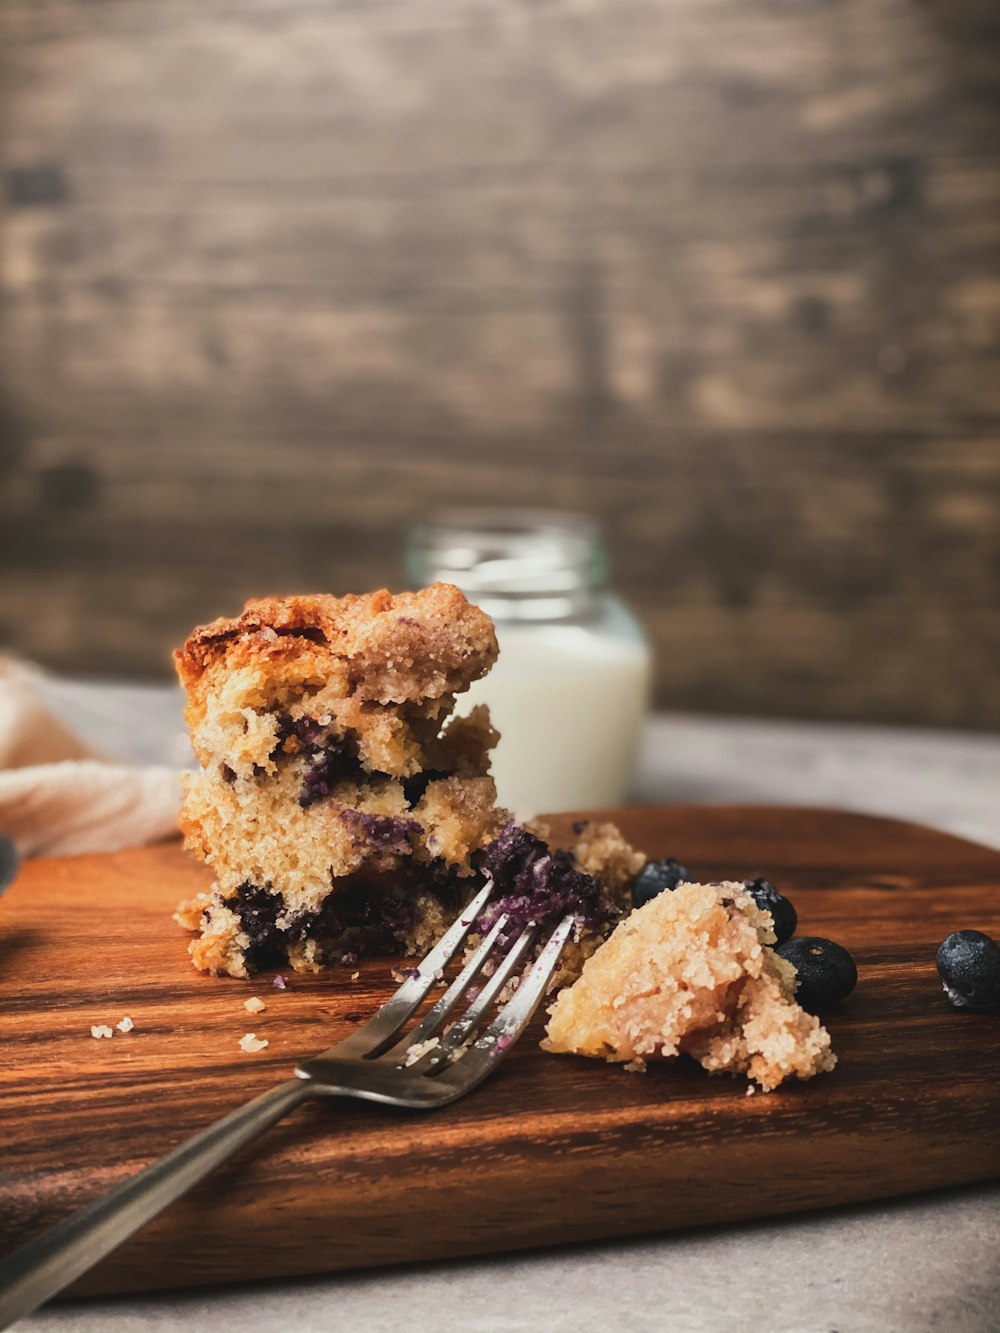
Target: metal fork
{"type": "Point", "coordinates": [427, 1067]}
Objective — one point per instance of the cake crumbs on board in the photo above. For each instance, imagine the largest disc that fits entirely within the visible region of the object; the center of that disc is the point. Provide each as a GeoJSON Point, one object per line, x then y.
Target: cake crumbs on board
{"type": "Point", "coordinates": [99, 1030]}
{"type": "Point", "coordinates": [252, 1043]}
{"type": "Point", "coordinates": [255, 1005]}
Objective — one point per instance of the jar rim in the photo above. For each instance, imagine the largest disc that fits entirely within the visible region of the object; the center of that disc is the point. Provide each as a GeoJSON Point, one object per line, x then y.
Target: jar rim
{"type": "Point", "coordinates": [511, 555]}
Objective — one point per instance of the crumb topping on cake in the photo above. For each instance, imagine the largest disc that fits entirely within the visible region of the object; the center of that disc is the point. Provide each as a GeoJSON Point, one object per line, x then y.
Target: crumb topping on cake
{"type": "Point", "coordinates": [379, 647]}
{"type": "Point", "coordinates": [692, 972]}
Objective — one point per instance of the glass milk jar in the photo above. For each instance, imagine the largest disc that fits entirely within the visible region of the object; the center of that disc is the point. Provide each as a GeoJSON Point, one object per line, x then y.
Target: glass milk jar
{"type": "Point", "coordinates": [570, 688]}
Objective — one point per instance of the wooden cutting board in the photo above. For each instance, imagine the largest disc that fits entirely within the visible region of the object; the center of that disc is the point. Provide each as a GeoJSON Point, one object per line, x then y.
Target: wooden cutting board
{"type": "Point", "coordinates": [553, 1149]}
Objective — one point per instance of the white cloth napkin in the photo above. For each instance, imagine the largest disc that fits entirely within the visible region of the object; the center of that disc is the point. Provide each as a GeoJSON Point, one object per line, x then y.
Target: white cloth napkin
{"type": "Point", "coordinates": [60, 796]}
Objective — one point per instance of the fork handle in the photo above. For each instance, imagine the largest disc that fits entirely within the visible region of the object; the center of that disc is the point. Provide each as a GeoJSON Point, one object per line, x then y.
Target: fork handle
{"type": "Point", "coordinates": [54, 1259]}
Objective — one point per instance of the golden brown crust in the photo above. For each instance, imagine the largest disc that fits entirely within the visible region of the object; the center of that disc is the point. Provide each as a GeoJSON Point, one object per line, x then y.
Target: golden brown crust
{"type": "Point", "coordinates": [411, 646]}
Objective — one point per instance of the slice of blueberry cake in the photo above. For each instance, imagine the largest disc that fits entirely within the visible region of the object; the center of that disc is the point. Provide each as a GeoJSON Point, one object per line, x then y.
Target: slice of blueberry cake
{"type": "Point", "coordinates": [344, 810]}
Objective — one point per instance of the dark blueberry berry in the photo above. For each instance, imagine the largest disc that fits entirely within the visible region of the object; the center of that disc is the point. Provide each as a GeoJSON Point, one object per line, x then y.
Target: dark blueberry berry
{"type": "Point", "coordinates": [969, 963]}
{"type": "Point", "coordinates": [258, 909]}
{"type": "Point", "coordinates": [334, 760]}
{"type": "Point", "coordinates": [827, 973]}
{"type": "Point", "coordinates": [768, 899]}
{"type": "Point", "coordinates": [655, 878]}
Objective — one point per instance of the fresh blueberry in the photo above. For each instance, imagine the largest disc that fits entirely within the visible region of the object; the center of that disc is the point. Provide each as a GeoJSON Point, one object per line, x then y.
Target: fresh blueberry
{"type": "Point", "coordinates": [827, 973]}
{"type": "Point", "coordinates": [768, 899]}
{"type": "Point", "coordinates": [969, 963]}
{"type": "Point", "coordinates": [655, 877]}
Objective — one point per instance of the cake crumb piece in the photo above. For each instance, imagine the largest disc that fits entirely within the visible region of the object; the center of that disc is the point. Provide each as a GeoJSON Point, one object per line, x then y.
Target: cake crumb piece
{"type": "Point", "coordinates": [126, 1025]}
{"type": "Point", "coordinates": [637, 1066]}
{"type": "Point", "coordinates": [397, 976]}
{"type": "Point", "coordinates": [251, 1042]}
{"type": "Point", "coordinates": [101, 1030]}
{"type": "Point", "coordinates": [255, 1005]}
{"type": "Point", "coordinates": [280, 983]}
{"type": "Point", "coordinates": [418, 1051]}
{"type": "Point", "coordinates": [355, 975]}
{"type": "Point", "coordinates": [751, 1089]}
{"type": "Point", "coordinates": [691, 972]}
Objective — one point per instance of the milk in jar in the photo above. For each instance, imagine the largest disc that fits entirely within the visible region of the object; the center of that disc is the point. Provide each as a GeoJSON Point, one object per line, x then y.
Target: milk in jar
{"type": "Point", "coordinates": [571, 685]}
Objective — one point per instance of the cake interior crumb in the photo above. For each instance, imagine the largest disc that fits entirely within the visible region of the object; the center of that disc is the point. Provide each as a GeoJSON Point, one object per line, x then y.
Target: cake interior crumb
{"type": "Point", "coordinates": [255, 1005]}
{"type": "Point", "coordinates": [101, 1030]}
{"type": "Point", "coordinates": [126, 1024]}
{"type": "Point", "coordinates": [251, 1043]}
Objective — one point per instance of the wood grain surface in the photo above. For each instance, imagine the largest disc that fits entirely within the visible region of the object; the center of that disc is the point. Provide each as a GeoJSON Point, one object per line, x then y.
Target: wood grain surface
{"type": "Point", "coordinates": [553, 1149]}
{"type": "Point", "coordinates": [279, 275]}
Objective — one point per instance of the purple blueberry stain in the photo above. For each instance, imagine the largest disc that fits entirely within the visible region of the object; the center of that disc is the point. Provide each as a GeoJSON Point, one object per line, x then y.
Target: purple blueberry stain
{"type": "Point", "coordinates": [387, 833]}
{"type": "Point", "coordinates": [538, 885]}
{"type": "Point", "coordinates": [329, 759]}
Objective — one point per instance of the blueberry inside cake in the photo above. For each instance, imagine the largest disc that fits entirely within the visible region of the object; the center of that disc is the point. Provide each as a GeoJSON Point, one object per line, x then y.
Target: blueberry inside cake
{"type": "Point", "coordinates": [344, 809]}
{"type": "Point", "coordinates": [693, 972]}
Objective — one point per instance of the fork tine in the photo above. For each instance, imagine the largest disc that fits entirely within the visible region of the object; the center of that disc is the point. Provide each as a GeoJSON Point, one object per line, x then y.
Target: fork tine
{"type": "Point", "coordinates": [433, 1019]}
{"type": "Point", "coordinates": [472, 1066]}
{"type": "Point", "coordinates": [381, 1030]}
{"type": "Point", "coordinates": [462, 1029]}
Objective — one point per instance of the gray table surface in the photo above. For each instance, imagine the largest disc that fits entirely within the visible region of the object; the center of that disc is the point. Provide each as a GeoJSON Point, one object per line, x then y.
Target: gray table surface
{"type": "Point", "coordinates": [912, 1265]}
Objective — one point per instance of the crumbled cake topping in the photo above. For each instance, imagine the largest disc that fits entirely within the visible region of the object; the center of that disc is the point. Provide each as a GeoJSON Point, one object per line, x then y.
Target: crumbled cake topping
{"type": "Point", "coordinates": [418, 646]}
{"type": "Point", "coordinates": [691, 972]}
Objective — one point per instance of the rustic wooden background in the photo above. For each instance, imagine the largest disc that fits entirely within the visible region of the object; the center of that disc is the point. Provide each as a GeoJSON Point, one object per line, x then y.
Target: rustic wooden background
{"type": "Point", "coordinates": [279, 274]}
